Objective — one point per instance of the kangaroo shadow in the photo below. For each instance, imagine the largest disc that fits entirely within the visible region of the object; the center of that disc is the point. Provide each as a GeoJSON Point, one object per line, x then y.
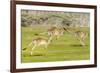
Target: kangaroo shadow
{"type": "Point", "coordinates": [78, 45]}
{"type": "Point", "coordinates": [37, 55]}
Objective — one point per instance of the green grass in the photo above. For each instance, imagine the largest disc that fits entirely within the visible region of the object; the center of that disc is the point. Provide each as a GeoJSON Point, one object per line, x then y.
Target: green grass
{"type": "Point", "coordinates": [66, 48]}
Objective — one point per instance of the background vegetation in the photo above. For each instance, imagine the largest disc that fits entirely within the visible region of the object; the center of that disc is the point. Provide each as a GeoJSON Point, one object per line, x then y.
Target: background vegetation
{"type": "Point", "coordinates": [31, 18]}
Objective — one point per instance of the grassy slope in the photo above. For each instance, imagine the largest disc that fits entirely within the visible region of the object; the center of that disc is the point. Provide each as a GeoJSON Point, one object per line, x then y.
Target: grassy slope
{"type": "Point", "coordinates": [64, 49]}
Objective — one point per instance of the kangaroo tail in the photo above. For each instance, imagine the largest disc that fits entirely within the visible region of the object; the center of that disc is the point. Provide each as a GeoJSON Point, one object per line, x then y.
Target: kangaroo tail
{"type": "Point", "coordinates": [24, 48]}
{"type": "Point", "coordinates": [40, 33]}
{"type": "Point", "coordinates": [27, 46]}
{"type": "Point", "coordinates": [64, 28]}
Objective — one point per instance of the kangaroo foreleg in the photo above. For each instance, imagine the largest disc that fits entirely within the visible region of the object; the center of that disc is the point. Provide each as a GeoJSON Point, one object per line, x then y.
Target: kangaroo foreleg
{"type": "Point", "coordinates": [33, 49]}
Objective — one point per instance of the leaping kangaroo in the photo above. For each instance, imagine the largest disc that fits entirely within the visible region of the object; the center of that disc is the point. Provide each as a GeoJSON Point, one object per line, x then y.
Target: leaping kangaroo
{"type": "Point", "coordinates": [38, 42]}
{"type": "Point", "coordinates": [80, 35]}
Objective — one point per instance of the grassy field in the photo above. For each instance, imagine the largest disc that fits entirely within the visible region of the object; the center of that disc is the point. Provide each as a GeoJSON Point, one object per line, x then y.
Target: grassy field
{"type": "Point", "coordinates": [65, 48]}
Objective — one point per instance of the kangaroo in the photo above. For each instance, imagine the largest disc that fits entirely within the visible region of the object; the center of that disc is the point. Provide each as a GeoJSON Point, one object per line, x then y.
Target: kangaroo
{"type": "Point", "coordinates": [38, 42]}
{"type": "Point", "coordinates": [80, 35]}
